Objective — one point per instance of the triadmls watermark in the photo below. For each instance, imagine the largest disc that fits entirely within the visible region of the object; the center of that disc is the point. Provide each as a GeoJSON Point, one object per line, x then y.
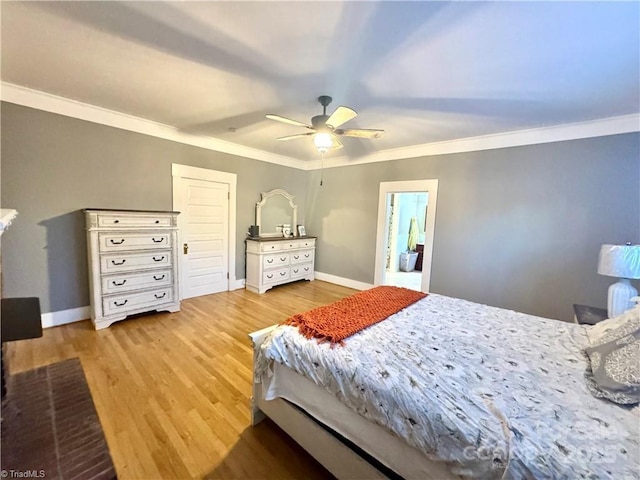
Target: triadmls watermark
{"type": "Point", "coordinates": [23, 473]}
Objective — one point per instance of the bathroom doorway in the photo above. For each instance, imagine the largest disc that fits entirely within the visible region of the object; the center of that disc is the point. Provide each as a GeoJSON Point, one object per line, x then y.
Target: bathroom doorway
{"type": "Point", "coordinates": [406, 223]}
{"type": "Point", "coordinates": [407, 214]}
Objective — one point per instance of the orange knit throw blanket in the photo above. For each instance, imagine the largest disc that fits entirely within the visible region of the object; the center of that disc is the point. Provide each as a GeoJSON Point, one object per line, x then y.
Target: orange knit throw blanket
{"type": "Point", "coordinates": [341, 319]}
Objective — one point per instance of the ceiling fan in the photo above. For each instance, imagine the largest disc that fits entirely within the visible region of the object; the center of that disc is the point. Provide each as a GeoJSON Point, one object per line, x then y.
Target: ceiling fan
{"type": "Point", "coordinates": [325, 127]}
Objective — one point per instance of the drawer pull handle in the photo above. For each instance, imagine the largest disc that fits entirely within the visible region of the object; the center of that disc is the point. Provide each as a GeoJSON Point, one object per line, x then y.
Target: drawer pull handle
{"type": "Point", "coordinates": [113, 242]}
{"type": "Point", "coordinates": [119, 284]}
{"type": "Point", "coordinates": [296, 257]}
{"type": "Point", "coordinates": [270, 275]}
{"type": "Point", "coordinates": [282, 274]}
{"type": "Point", "coordinates": [282, 259]}
{"type": "Point", "coordinates": [158, 278]}
{"type": "Point", "coordinates": [306, 255]}
{"type": "Point", "coordinates": [157, 241]}
{"type": "Point", "coordinates": [116, 221]}
{"type": "Point", "coordinates": [269, 260]}
{"type": "Point", "coordinates": [157, 221]}
{"type": "Point", "coordinates": [158, 259]}
{"type": "Point", "coordinates": [120, 304]}
{"type": "Point", "coordinates": [160, 296]}
{"type": "Point", "coordinates": [295, 270]}
{"type": "Point", "coordinates": [118, 263]}
{"type": "Point", "coordinates": [306, 269]}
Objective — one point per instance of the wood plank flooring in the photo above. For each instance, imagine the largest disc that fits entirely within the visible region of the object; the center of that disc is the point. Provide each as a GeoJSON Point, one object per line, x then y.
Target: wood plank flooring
{"type": "Point", "coordinates": [172, 390]}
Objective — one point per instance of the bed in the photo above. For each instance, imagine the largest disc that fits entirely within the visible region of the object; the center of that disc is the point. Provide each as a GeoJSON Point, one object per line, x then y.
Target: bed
{"type": "Point", "coordinates": [447, 388]}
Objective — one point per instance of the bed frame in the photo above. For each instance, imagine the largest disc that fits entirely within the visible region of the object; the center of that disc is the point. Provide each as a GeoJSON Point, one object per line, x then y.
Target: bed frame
{"type": "Point", "coordinates": [334, 455]}
{"type": "Point", "coordinates": [319, 441]}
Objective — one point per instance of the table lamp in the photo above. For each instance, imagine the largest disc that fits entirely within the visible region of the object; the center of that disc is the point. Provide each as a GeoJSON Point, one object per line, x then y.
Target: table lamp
{"type": "Point", "coordinates": [622, 261]}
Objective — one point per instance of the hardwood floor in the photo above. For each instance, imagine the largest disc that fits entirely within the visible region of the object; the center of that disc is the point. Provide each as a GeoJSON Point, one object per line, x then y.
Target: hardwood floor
{"type": "Point", "coordinates": [172, 390]}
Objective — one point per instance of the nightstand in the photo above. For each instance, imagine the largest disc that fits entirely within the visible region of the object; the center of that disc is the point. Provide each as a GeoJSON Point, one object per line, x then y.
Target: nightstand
{"type": "Point", "coordinates": [588, 315]}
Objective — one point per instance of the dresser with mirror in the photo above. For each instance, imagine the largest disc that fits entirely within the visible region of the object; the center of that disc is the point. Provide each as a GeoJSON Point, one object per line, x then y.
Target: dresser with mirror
{"type": "Point", "coordinates": [278, 255]}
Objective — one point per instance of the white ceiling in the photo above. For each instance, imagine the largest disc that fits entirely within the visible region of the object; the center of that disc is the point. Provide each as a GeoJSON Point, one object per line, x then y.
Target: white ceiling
{"type": "Point", "coordinates": [423, 71]}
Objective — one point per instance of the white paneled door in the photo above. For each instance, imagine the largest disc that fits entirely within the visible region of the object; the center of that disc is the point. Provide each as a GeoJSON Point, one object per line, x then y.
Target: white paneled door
{"type": "Point", "coordinates": [204, 227]}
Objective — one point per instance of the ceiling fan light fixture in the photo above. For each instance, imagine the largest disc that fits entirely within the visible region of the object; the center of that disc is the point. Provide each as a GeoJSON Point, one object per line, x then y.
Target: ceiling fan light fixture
{"type": "Point", "coordinates": [325, 132]}
{"type": "Point", "coordinates": [323, 141]}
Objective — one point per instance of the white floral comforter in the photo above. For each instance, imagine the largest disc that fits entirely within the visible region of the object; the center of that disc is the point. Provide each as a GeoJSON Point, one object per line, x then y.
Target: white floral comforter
{"type": "Point", "coordinates": [495, 393]}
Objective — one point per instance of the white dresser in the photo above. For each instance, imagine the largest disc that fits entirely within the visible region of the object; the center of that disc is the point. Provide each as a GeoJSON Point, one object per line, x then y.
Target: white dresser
{"type": "Point", "coordinates": [132, 263]}
{"type": "Point", "coordinates": [274, 261]}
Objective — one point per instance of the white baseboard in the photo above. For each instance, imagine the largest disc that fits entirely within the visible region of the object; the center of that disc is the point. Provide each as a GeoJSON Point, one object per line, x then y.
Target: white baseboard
{"type": "Point", "coordinates": [62, 317]}
{"type": "Point", "coordinates": [345, 282]}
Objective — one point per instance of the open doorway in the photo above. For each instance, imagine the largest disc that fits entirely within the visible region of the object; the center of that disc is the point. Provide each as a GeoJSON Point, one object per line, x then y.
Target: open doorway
{"type": "Point", "coordinates": [406, 223]}
{"type": "Point", "coordinates": [407, 215]}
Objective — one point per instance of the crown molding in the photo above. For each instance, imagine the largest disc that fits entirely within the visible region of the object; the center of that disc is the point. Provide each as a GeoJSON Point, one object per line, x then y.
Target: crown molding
{"type": "Point", "coordinates": [557, 133]}
{"type": "Point", "coordinates": [71, 108]}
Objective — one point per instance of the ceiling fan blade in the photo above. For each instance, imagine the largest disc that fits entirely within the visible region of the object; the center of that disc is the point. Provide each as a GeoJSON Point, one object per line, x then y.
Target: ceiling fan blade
{"type": "Point", "coordinates": [340, 116]}
{"type": "Point", "coordinates": [291, 137]}
{"type": "Point", "coordinates": [360, 132]}
{"type": "Point", "coordinates": [337, 144]}
{"type": "Point", "coordinates": [279, 118]}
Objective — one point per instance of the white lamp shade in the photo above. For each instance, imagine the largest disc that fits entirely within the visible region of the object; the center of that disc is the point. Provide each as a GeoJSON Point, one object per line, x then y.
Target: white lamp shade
{"type": "Point", "coordinates": [622, 261]}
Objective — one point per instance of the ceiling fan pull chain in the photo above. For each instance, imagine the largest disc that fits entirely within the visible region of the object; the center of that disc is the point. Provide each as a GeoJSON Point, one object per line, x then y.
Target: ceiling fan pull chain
{"type": "Point", "coordinates": [321, 167]}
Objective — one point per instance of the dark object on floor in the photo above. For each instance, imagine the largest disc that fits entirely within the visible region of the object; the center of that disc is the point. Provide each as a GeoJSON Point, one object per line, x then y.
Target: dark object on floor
{"type": "Point", "coordinates": [50, 427]}
{"type": "Point", "coordinates": [20, 319]}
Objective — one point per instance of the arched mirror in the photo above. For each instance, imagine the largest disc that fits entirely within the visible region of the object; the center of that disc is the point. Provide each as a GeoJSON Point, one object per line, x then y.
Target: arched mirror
{"type": "Point", "coordinates": [275, 209]}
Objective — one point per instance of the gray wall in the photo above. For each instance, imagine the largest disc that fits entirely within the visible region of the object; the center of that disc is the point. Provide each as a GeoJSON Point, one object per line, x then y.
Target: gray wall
{"type": "Point", "coordinates": [518, 228]}
{"type": "Point", "coordinates": [54, 166]}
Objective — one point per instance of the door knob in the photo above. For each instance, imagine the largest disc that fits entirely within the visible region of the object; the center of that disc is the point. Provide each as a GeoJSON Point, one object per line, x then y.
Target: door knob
{"type": "Point", "coordinates": [185, 248]}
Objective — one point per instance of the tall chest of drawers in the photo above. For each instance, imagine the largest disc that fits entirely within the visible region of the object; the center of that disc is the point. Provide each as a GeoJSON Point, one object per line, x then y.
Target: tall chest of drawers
{"type": "Point", "coordinates": [132, 263]}
{"type": "Point", "coordinates": [274, 261]}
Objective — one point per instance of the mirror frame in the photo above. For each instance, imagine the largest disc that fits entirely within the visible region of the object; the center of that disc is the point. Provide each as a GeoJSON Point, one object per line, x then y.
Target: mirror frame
{"type": "Point", "coordinates": [264, 197]}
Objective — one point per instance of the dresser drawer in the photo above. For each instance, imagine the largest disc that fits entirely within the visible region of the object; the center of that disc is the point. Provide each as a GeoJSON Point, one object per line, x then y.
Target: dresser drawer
{"type": "Point", "coordinates": [270, 246]}
{"type": "Point", "coordinates": [273, 276]}
{"type": "Point", "coordinates": [133, 301]}
{"type": "Point", "coordinates": [301, 256]}
{"type": "Point", "coordinates": [136, 281]}
{"type": "Point", "coordinates": [291, 244]}
{"type": "Point", "coordinates": [114, 263]}
{"type": "Point", "coordinates": [311, 242]}
{"type": "Point", "coordinates": [301, 270]}
{"type": "Point", "coordinates": [115, 220]}
{"type": "Point", "coordinates": [113, 242]}
{"type": "Point", "coordinates": [278, 260]}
